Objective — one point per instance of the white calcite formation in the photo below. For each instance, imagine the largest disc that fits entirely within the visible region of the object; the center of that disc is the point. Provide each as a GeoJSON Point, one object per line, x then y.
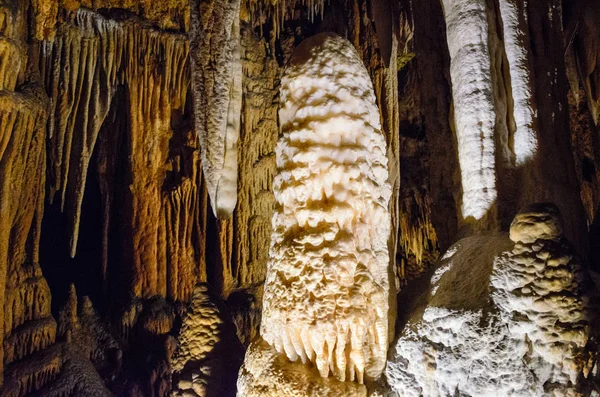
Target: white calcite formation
{"type": "Point", "coordinates": [474, 116]}
{"type": "Point", "coordinates": [514, 22]}
{"type": "Point", "coordinates": [540, 288]}
{"type": "Point", "coordinates": [217, 89]}
{"type": "Point", "coordinates": [327, 285]}
{"type": "Point", "coordinates": [511, 323]}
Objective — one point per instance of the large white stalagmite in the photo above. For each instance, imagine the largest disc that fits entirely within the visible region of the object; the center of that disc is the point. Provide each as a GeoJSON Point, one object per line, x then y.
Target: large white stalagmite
{"type": "Point", "coordinates": [327, 285]}
{"type": "Point", "coordinates": [514, 22]}
{"type": "Point", "coordinates": [467, 34]}
{"type": "Point", "coordinates": [503, 318]}
{"type": "Point", "coordinates": [217, 89]}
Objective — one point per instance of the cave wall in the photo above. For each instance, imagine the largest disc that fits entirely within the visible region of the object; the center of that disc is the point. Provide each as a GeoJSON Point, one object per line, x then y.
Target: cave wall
{"type": "Point", "coordinates": [101, 173]}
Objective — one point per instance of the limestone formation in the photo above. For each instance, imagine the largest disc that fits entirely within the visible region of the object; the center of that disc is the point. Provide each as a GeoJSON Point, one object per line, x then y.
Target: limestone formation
{"type": "Point", "coordinates": [205, 362]}
{"type": "Point", "coordinates": [467, 31]}
{"type": "Point", "coordinates": [497, 320]}
{"type": "Point", "coordinates": [217, 88]}
{"type": "Point", "coordinates": [139, 157]}
{"type": "Point", "coordinates": [327, 286]}
{"type": "Point", "coordinates": [160, 245]}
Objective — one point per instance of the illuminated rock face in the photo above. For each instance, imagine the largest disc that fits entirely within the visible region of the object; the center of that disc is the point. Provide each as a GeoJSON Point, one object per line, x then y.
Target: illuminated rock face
{"type": "Point", "coordinates": [327, 287]}
{"type": "Point", "coordinates": [467, 34]}
{"type": "Point", "coordinates": [502, 321]}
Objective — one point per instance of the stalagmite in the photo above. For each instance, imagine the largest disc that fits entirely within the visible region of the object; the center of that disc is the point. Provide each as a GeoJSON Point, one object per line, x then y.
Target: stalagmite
{"type": "Point", "coordinates": [217, 90]}
{"type": "Point", "coordinates": [515, 26]}
{"type": "Point", "coordinates": [502, 318]}
{"type": "Point", "coordinates": [467, 34]}
{"type": "Point", "coordinates": [327, 285]}
{"type": "Point", "coordinates": [543, 295]}
{"type": "Point", "coordinates": [206, 358]}
{"type": "Point", "coordinates": [194, 358]}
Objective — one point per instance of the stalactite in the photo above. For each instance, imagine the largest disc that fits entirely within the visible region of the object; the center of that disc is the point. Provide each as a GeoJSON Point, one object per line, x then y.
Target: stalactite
{"type": "Point", "coordinates": [160, 245]}
{"type": "Point", "coordinates": [327, 286]}
{"type": "Point", "coordinates": [217, 89]}
{"type": "Point", "coordinates": [157, 317]}
{"type": "Point", "coordinates": [80, 71]}
{"type": "Point", "coordinates": [516, 44]}
{"type": "Point", "coordinates": [467, 32]}
{"type": "Point", "coordinates": [417, 235]}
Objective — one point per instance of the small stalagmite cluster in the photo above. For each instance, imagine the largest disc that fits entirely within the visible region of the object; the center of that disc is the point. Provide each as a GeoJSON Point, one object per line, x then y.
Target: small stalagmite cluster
{"type": "Point", "coordinates": [213, 198]}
